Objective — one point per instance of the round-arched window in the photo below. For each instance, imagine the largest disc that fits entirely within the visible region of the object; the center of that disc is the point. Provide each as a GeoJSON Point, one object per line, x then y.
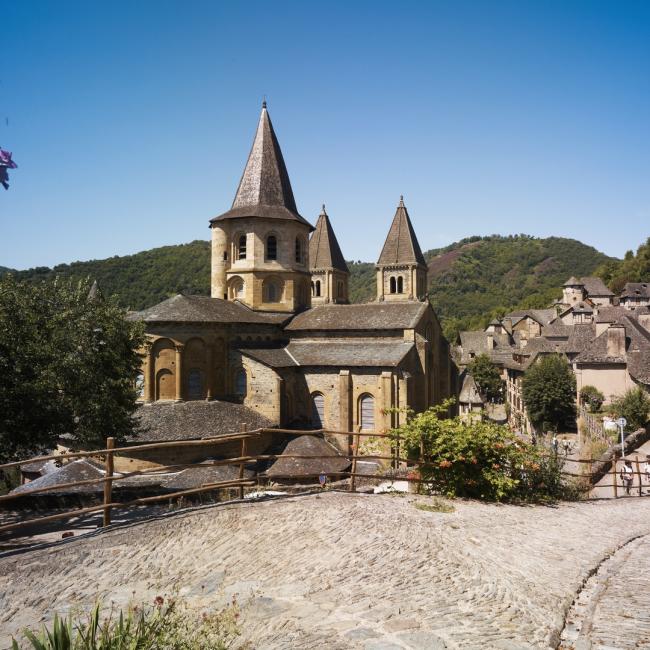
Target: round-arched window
{"type": "Point", "coordinates": [393, 285]}
{"type": "Point", "coordinates": [241, 383]}
{"type": "Point", "coordinates": [272, 291]}
{"type": "Point", "coordinates": [195, 384]}
{"type": "Point", "coordinates": [367, 412]}
{"type": "Point", "coordinates": [400, 284]}
{"type": "Point", "coordinates": [241, 248]}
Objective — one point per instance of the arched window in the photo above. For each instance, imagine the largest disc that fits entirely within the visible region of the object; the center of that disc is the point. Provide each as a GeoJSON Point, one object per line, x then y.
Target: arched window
{"type": "Point", "coordinates": [242, 247]}
{"type": "Point", "coordinates": [317, 287]}
{"type": "Point", "coordinates": [237, 289]}
{"type": "Point", "coordinates": [393, 285]}
{"type": "Point", "coordinates": [318, 410]}
{"type": "Point", "coordinates": [272, 291]}
{"type": "Point", "coordinates": [195, 384]}
{"type": "Point", "coordinates": [298, 250]}
{"type": "Point", "coordinates": [400, 284]}
{"type": "Point", "coordinates": [367, 412]}
{"type": "Point", "coordinates": [240, 383]}
{"type": "Point", "coordinates": [271, 248]}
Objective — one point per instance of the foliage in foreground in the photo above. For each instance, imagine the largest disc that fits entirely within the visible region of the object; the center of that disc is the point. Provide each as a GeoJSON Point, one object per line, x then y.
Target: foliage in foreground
{"type": "Point", "coordinates": [165, 626]}
{"type": "Point", "coordinates": [481, 460]}
{"type": "Point", "coordinates": [68, 364]}
{"type": "Point", "coordinates": [634, 406]}
{"type": "Point", "coordinates": [549, 392]}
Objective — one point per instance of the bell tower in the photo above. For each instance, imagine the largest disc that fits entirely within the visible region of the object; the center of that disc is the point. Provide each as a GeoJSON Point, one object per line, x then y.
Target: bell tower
{"type": "Point", "coordinates": [260, 247]}
{"type": "Point", "coordinates": [401, 267]}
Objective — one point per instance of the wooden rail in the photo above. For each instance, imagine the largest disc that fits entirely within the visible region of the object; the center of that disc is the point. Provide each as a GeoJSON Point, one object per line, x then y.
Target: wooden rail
{"type": "Point", "coordinates": [109, 478]}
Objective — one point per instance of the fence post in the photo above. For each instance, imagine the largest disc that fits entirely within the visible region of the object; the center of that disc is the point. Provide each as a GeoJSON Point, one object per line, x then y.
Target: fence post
{"type": "Point", "coordinates": [355, 452]}
{"type": "Point", "coordinates": [638, 473]}
{"type": "Point", "coordinates": [108, 485]}
{"type": "Point", "coordinates": [241, 468]}
{"type": "Point", "coordinates": [614, 475]}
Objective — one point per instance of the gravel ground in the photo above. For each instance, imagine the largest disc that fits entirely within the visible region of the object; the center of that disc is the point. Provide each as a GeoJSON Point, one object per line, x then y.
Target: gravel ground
{"type": "Point", "coordinates": [339, 570]}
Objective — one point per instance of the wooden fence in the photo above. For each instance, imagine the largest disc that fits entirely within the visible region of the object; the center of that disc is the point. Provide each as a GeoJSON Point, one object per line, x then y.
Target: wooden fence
{"type": "Point", "coordinates": [240, 483]}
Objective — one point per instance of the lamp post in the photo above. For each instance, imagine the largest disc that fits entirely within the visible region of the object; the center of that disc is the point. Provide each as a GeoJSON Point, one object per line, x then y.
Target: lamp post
{"type": "Point", "coordinates": [622, 422]}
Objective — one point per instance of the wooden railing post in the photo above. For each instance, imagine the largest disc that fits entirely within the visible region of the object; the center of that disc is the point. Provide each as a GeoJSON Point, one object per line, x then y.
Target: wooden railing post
{"type": "Point", "coordinates": [638, 473]}
{"type": "Point", "coordinates": [241, 468]}
{"type": "Point", "coordinates": [108, 484]}
{"type": "Point", "coordinates": [355, 452]}
{"type": "Point", "coordinates": [614, 475]}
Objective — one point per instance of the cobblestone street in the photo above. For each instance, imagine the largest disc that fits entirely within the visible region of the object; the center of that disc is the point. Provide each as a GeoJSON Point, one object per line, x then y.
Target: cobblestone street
{"type": "Point", "coordinates": [359, 571]}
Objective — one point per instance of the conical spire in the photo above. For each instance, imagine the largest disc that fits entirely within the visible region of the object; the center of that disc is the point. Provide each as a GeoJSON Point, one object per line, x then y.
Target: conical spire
{"type": "Point", "coordinates": [401, 245]}
{"type": "Point", "coordinates": [264, 189]}
{"type": "Point", "coordinates": [324, 249]}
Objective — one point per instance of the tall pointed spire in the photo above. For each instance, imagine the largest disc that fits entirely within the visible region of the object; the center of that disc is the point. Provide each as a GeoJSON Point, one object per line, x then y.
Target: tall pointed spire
{"type": "Point", "coordinates": [324, 249]}
{"type": "Point", "coordinates": [264, 189]}
{"type": "Point", "coordinates": [401, 245]}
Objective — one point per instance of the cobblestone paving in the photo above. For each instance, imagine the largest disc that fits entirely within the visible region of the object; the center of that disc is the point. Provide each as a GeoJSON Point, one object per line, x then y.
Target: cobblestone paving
{"type": "Point", "coordinates": [343, 571]}
{"type": "Point", "coordinates": [612, 610]}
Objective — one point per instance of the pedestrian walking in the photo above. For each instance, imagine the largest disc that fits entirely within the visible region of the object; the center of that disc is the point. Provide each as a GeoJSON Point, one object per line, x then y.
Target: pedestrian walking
{"type": "Point", "coordinates": [627, 476]}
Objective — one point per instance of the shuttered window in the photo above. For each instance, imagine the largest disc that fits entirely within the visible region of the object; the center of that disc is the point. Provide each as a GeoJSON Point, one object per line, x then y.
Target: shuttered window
{"type": "Point", "coordinates": [367, 412]}
{"type": "Point", "coordinates": [318, 410]}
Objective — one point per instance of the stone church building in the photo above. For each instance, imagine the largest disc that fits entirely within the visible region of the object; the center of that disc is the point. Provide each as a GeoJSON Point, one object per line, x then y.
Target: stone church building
{"type": "Point", "coordinates": [278, 336]}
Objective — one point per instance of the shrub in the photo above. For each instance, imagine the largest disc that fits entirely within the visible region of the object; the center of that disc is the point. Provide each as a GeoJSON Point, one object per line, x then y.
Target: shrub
{"type": "Point", "coordinates": [480, 460]}
{"type": "Point", "coordinates": [592, 398]}
{"type": "Point", "coordinates": [170, 626]}
{"type": "Point", "coordinates": [634, 406]}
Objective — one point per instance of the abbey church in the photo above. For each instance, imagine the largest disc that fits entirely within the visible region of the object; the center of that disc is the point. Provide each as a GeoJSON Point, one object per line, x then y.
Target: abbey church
{"type": "Point", "coordinates": [278, 339]}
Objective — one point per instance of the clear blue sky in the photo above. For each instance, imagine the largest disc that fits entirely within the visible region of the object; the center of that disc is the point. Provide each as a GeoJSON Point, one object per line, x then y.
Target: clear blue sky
{"type": "Point", "coordinates": [131, 121]}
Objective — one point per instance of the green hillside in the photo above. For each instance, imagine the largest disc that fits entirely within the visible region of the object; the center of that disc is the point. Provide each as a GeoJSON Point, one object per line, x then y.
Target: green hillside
{"type": "Point", "coordinates": [470, 281]}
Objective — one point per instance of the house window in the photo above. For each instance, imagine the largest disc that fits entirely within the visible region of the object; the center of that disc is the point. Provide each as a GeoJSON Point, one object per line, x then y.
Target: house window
{"type": "Point", "coordinates": [298, 250]}
{"type": "Point", "coordinates": [393, 285]}
{"type": "Point", "coordinates": [318, 410]}
{"type": "Point", "coordinates": [240, 383]}
{"type": "Point", "coordinates": [242, 247]}
{"type": "Point", "coordinates": [400, 284]}
{"type": "Point", "coordinates": [367, 412]}
{"type": "Point", "coordinates": [271, 248]}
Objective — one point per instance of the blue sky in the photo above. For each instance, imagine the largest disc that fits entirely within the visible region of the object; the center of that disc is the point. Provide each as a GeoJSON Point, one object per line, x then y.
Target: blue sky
{"type": "Point", "coordinates": [131, 121]}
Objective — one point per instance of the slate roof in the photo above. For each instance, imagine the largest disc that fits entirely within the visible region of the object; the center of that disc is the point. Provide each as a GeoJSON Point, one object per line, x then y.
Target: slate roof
{"type": "Point", "coordinates": [306, 467]}
{"type": "Point", "coordinates": [324, 249]}
{"type": "Point", "coordinates": [203, 309]}
{"type": "Point", "coordinates": [194, 419]}
{"type": "Point", "coordinates": [595, 287]}
{"type": "Point", "coordinates": [610, 314]}
{"type": "Point", "coordinates": [637, 355]}
{"type": "Point", "coordinates": [264, 189]}
{"type": "Point", "coordinates": [542, 316]}
{"type": "Point", "coordinates": [401, 245]}
{"type": "Point", "coordinates": [77, 470]}
{"type": "Point", "coordinates": [469, 391]}
{"type": "Point", "coordinates": [368, 316]}
{"type": "Point", "coordinates": [581, 336]}
{"type": "Point", "coordinates": [557, 329]}
{"type": "Point", "coordinates": [573, 282]}
{"type": "Point", "coordinates": [476, 341]}
{"type": "Point", "coordinates": [201, 474]}
{"type": "Point", "coordinates": [636, 290]}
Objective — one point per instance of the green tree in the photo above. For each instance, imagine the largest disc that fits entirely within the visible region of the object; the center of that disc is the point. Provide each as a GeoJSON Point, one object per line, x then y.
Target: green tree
{"type": "Point", "coordinates": [479, 459]}
{"type": "Point", "coordinates": [592, 398]}
{"type": "Point", "coordinates": [487, 378]}
{"type": "Point", "coordinates": [68, 364]}
{"type": "Point", "coordinates": [549, 389]}
{"type": "Point", "coordinates": [634, 406]}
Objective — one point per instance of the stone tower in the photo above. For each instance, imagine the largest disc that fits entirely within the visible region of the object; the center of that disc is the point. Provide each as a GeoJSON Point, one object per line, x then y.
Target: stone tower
{"type": "Point", "coordinates": [329, 272]}
{"type": "Point", "coordinates": [401, 268]}
{"type": "Point", "coordinates": [260, 252]}
{"type": "Point", "coordinates": [573, 291]}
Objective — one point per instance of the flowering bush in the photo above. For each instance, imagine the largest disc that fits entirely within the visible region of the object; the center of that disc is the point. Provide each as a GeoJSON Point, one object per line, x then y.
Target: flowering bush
{"type": "Point", "coordinates": [480, 460]}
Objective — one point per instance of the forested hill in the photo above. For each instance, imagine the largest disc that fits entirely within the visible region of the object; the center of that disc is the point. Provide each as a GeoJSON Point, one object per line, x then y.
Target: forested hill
{"type": "Point", "coordinates": [471, 280]}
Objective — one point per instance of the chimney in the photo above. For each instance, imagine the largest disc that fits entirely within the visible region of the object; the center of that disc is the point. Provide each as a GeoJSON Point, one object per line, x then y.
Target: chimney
{"type": "Point", "coordinates": [616, 341]}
